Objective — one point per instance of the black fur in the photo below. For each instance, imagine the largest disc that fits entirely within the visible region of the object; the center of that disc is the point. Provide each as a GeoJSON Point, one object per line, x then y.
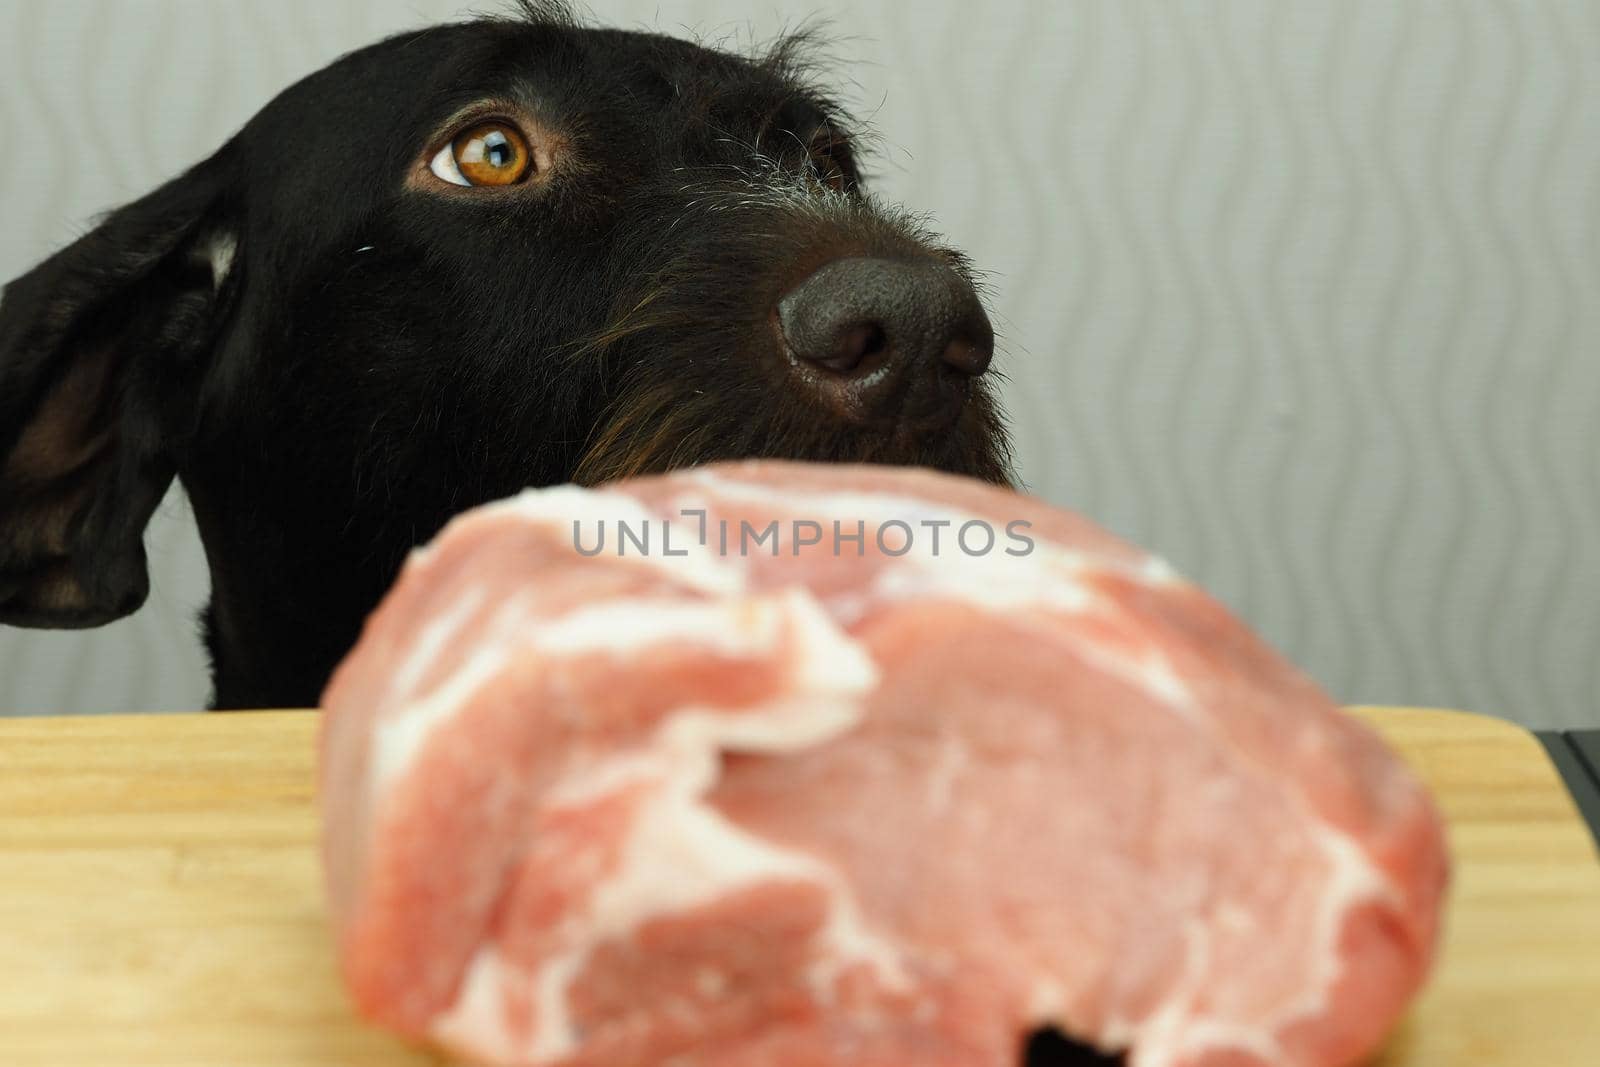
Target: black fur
{"type": "Point", "coordinates": [387, 350]}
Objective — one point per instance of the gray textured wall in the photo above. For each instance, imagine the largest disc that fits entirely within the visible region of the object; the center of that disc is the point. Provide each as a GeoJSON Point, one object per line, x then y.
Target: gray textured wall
{"type": "Point", "coordinates": [1303, 294]}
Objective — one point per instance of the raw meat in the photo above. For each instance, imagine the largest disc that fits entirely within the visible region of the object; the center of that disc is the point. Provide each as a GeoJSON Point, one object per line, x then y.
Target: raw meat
{"type": "Point", "coordinates": [837, 803]}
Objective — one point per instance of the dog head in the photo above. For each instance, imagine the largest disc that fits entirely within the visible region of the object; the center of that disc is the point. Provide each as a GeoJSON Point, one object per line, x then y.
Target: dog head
{"type": "Point", "coordinates": [463, 261]}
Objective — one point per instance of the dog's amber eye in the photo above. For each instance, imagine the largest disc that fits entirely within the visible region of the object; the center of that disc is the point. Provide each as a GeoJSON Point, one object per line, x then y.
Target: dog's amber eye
{"type": "Point", "coordinates": [490, 153]}
{"type": "Point", "coordinates": [831, 161]}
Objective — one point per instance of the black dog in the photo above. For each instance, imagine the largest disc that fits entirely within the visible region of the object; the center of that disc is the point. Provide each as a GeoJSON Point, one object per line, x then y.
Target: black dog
{"type": "Point", "coordinates": [463, 261]}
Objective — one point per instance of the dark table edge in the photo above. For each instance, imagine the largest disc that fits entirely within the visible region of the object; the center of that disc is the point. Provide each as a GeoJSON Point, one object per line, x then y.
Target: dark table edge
{"type": "Point", "coordinates": [1570, 751]}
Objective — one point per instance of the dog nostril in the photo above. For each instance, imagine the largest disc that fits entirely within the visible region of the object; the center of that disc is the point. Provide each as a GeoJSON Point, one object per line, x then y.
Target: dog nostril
{"type": "Point", "coordinates": [855, 346]}
{"type": "Point", "coordinates": [968, 357]}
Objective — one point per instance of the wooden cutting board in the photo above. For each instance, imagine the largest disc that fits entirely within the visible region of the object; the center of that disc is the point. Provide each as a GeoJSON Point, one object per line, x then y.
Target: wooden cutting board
{"type": "Point", "coordinates": [160, 902]}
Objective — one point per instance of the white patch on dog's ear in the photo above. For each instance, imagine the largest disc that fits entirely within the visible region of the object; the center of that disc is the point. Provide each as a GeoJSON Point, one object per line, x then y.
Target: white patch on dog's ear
{"type": "Point", "coordinates": [219, 249]}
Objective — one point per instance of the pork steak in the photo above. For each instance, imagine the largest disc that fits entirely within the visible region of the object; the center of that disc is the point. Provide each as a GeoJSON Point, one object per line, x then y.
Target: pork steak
{"type": "Point", "coordinates": [857, 766]}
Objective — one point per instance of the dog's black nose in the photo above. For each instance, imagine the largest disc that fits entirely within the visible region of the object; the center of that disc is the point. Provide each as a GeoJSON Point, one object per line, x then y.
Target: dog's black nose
{"type": "Point", "coordinates": [866, 331]}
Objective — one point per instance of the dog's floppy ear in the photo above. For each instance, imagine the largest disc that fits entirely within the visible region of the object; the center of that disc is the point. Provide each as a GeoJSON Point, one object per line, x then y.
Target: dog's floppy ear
{"type": "Point", "coordinates": [101, 350]}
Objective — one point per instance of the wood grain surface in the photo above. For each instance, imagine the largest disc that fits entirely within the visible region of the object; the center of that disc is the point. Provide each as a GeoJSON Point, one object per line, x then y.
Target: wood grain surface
{"type": "Point", "coordinates": [160, 902]}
